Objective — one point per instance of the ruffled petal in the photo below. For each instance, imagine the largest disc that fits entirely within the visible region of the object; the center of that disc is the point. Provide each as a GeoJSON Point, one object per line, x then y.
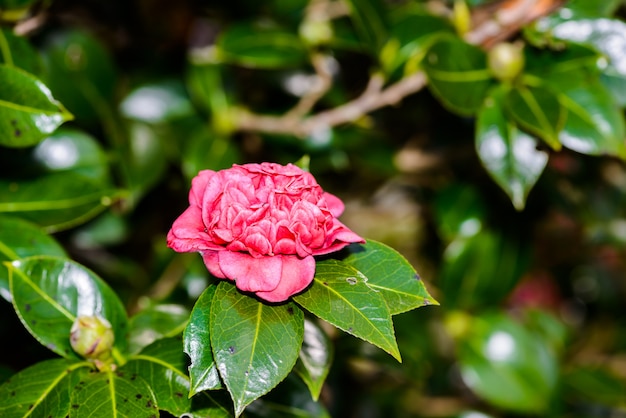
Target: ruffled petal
{"type": "Point", "coordinates": [249, 273]}
{"type": "Point", "coordinates": [296, 275]}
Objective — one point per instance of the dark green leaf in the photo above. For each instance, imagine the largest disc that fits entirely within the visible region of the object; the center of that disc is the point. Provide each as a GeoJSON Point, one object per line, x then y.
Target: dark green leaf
{"type": "Point", "coordinates": [459, 211]}
{"type": "Point", "coordinates": [370, 20]}
{"type": "Point", "coordinates": [258, 46]}
{"type": "Point", "coordinates": [458, 74]}
{"type": "Point", "coordinates": [341, 295]}
{"type": "Point", "coordinates": [468, 282]}
{"type": "Point", "coordinates": [507, 365]}
{"type": "Point", "coordinates": [197, 340]}
{"type": "Point", "coordinates": [537, 110]}
{"type": "Point", "coordinates": [50, 292]}
{"type": "Point", "coordinates": [80, 57]}
{"type": "Point", "coordinates": [390, 274]}
{"type": "Point", "coordinates": [255, 345]}
{"type": "Point", "coordinates": [315, 358]}
{"type": "Point", "coordinates": [207, 91]}
{"type": "Point", "coordinates": [56, 201]}
{"type": "Point", "coordinates": [509, 155]}
{"type": "Point", "coordinates": [594, 124]}
{"type": "Point", "coordinates": [162, 365]}
{"type": "Point", "coordinates": [156, 322]}
{"type": "Point", "coordinates": [596, 384]}
{"type": "Point", "coordinates": [113, 394]}
{"type": "Point", "coordinates": [412, 32]}
{"type": "Point", "coordinates": [157, 103]}
{"type": "Point", "coordinates": [17, 51]}
{"type": "Point", "coordinates": [21, 239]}
{"type": "Point", "coordinates": [41, 390]}
{"type": "Point", "coordinates": [206, 149]}
{"type": "Point", "coordinates": [28, 112]}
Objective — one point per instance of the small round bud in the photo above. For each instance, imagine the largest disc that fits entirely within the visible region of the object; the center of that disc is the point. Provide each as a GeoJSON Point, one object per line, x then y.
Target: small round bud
{"type": "Point", "coordinates": [506, 61]}
{"type": "Point", "coordinates": [316, 32]}
{"type": "Point", "coordinates": [92, 337]}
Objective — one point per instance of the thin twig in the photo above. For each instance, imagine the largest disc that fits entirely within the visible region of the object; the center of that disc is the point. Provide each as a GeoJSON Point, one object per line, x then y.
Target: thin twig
{"type": "Point", "coordinates": [512, 16]}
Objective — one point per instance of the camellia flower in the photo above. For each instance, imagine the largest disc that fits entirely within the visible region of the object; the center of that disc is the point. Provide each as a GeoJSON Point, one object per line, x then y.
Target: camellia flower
{"type": "Point", "coordinates": [260, 225]}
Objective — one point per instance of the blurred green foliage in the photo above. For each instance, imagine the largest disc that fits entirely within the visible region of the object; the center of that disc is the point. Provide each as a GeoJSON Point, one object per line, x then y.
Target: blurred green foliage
{"type": "Point", "coordinates": [499, 175]}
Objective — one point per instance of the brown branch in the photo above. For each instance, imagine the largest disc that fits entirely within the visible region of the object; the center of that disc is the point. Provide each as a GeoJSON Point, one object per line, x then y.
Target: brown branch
{"type": "Point", "coordinates": [508, 19]}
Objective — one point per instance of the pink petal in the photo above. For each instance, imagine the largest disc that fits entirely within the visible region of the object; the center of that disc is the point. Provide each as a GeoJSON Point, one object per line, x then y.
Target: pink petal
{"type": "Point", "coordinates": [198, 186]}
{"type": "Point", "coordinates": [211, 261]}
{"type": "Point", "coordinates": [251, 274]}
{"type": "Point", "coordinates": [335, 205]}
{"type": "Point", "coordinates": [297, 274]}
{"type": "Point", "coordinates": [187, 233]}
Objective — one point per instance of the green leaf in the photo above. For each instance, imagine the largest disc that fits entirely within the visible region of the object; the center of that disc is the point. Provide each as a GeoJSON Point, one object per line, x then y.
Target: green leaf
{"type": "Point", "coordinates": [50, 292]}
{"type": "Point", "coordinates": [41, 390]}
{"type": "Point", "coordinates": [389, 273]}
{"type": "Point", "coordinates": [156, 322]}
{"type": "Point", "coordinates": [458, 74]}
{"type": "Point", "coordinates": [17, 51]}
{"type": "Point", "coordinates": [162, 366]}
{"type": "Point", "coordinates": [509, 155]}
{"type": "Point", "coordinates": [56, 201]}
{"type": "Point", "coordinates": [206, 87]}
{"type": "Point", "coordinates": [508, 366]}
{"type": "Point", "coordinates": [113, 395]}
{"type": "Point", "coordinates": [255, 345]}
{"type": "Point", "coordinates": [594, 124]}
{"type": "Point", "coordinates": [80, 57]}
{"type": "Point", "coordinates": [412, 32]}
{"type": "Point", "coordinates": [157, 103]}
{"type": "Point", "coordinates": [341, 296]}
{"type": "Point", "coordinates": [537, 110]}
{"type": "Point", "coordinates": [607, 36]}
{"type": "Point", "coordinates": [315, 358]}
{"type": "Point", "coordinates": [197, 341]}
{"type": "Point", "coordinates": [258, 46]}
{"type": "Point", "coordinates": [468, 282]}
{"type": "Point", "coordinates": [370, 20]}
{"type": "Point", "coordinates": [459, 211]}
{"type": "Point", "coordinates": [21, 239]}
{"type": "Point", "coordinates": [28, 112]}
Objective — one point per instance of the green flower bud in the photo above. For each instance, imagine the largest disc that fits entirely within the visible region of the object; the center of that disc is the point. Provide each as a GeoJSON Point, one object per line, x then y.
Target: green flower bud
{"type": "Point", "coordinates": [506, 61]}
{"type": "Point", "coordinates": [92, 337]}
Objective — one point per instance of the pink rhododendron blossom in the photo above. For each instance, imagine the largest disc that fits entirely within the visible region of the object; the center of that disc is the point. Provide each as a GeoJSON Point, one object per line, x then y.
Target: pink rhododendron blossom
{"type": "Point", "coordinates": [260, 225]}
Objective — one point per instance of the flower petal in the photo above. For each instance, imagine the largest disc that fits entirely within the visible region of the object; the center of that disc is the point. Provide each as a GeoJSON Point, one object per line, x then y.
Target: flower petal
{"type": "Point", "coordinates": [296, 275]}
{"type": "Point", "coordinates": [251, 274]}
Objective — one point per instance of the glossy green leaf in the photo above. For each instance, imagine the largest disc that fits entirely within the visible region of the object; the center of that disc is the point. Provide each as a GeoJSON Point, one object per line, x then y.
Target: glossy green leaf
{"type": "Point", "coordinates": [21, 239]}
{"type": "Point", "coordinates": [50, 292]}
{"type": "Point", "coordinates": [594, 383]}
{"type": "Point", "coordinates": [371, 22]}
{"type": "Point", "coordinates": [341, 296]}
{"type": "Point", "coordinates": [607, 36]}
{"type": "Point", "coordinates": [113, 394]}
{"type": "Point", "coordinates": [457, 74]}
{"type": "Point", "coordinates": [197, 344]}
{"type": "Point", "coordinates": [594, 124]}
{"type": "Point", "coordinates": [509, 155]}
{"type": "Point", "coordinates": [156, 322]}
{"type": "Point", "coordinates": [315, 358]}
{"type": "Point", "coordinates": [390, 274]}
{"type": "Point", "coordinates": [257, 46]}
{"type": "Point", "coordinates": [41, 390]}
{"type": "Point", "coordinates": [412, 32]}
{"type": "Point", "coordinates": [537, 110]}
{"type": "Point", "coordinates": [207, 90]}
{"type": "Point", "coordinates": [157, 103]}
{"type": "Point", "coordinates": [255, 345]}
{"type": "Point", "coordinates": [80, 57]}
{"type": "Point", "coordinates": [508, 366]}
{"type": "Point", "coordinates": [28, 112]}
{"type": "Point", "coordinates": [206, 149]}
{"type": "Point", "coordinates": [55, 201]}
{"type": "Point", "coordinates": [162, 365]}
{"type": "Point", "coordinates": [467, 281]}
{"type": "Point", "coordinates": [17, 51]}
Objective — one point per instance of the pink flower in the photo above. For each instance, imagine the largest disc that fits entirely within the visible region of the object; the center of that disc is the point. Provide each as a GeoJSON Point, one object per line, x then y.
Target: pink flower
{"type": "Point", "coordinates": [260, 225]}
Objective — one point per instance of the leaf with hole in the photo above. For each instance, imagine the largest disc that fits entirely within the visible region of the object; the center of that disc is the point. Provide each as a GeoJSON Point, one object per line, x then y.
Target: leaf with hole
{"type": "Point", "coordinates": [340, 295]}
{"type": "Point", "coordinates": [255, 345]}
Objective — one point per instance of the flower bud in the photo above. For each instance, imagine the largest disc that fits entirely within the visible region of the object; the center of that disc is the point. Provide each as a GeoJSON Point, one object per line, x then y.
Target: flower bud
{"type": "Point", "coordinates": [92, 337]}
{"type": "Point", "coordinates": [506, 61]}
